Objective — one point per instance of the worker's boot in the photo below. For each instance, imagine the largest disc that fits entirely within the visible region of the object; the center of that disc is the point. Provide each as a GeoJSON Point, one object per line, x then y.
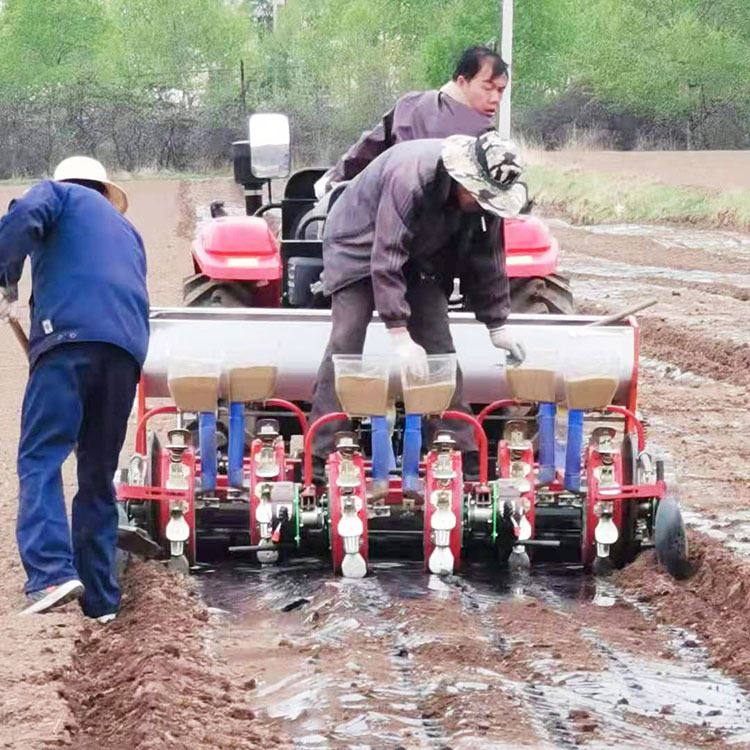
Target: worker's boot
{"type": "Point", "coordinates": [470, 465]}
{"type": "Point", "coordinates": [53, 596]}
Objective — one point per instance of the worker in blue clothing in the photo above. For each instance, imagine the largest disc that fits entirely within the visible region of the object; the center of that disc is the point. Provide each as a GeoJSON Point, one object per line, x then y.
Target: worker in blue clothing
{"type": "Point", "coordinates": [88, 340]}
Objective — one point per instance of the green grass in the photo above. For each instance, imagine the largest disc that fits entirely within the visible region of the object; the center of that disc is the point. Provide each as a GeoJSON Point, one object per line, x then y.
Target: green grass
{"type": "Point", "coordinates": [593, 197]}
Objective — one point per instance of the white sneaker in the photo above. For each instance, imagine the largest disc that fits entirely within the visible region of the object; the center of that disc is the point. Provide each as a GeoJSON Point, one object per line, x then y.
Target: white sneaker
{"type": "Point", "coordinates": [53, 596]}
{"type": "Point", "coordinates": [104, 619]}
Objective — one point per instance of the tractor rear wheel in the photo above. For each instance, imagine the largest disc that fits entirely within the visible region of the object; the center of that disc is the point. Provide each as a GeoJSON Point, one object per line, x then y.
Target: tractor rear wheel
{"type": "Point", "coordinates": [199, 290]}
{"type": "Point", "coordinates": [542, 295]}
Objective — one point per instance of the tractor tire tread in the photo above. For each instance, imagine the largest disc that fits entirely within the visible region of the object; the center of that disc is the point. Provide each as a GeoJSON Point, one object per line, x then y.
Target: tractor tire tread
{"type": "Point", "coordinates": [542, 295]}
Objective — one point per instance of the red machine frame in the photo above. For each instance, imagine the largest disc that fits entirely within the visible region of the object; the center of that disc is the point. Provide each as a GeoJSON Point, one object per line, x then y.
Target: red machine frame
{"type": "Point", "coordinates": [165, 498]}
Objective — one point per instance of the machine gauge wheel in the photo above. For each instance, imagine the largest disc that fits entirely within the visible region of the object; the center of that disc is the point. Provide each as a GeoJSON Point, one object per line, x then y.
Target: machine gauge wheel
{"type": "Point", "coordinates": [670, 539]}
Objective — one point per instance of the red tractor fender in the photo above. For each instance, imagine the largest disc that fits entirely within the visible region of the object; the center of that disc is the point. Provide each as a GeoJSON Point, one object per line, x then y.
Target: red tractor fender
{"type": "Point", "coordinates": [530, 248]}
{"type": "Point", "coordinates": [237, 248]}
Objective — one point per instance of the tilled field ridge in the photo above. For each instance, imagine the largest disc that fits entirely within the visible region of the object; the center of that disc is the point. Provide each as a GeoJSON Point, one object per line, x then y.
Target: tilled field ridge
{"type": "Point", "coordinates": [402, 660]}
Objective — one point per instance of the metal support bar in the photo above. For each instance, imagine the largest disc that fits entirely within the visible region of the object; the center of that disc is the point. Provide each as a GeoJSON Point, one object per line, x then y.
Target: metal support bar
{"type": "Point", "coordinates": [539, 542]}
{"type": "Point", "coordinates": [635, 492]}
{"type": "Point", "coordinates": [260, 547]}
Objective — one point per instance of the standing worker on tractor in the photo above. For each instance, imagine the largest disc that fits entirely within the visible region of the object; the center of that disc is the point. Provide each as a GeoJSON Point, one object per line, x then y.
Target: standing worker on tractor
{"type": "Point", "coordinates": [88, 341]}
{"type": "Point", "coordinates": [391, 244]}
{"type": "Point", "coordinates": [466, 105]}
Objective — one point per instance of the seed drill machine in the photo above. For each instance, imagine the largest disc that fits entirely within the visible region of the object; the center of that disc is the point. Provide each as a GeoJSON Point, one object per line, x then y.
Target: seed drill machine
{"type": "Point", "coordinates": [233, 465]}
{"type": "Point", "coordinates": [223, 455]}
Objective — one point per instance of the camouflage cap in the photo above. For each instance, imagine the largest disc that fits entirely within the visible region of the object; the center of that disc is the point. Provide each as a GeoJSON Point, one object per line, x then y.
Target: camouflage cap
{"type": "Point", "coordinates": [488, 168]}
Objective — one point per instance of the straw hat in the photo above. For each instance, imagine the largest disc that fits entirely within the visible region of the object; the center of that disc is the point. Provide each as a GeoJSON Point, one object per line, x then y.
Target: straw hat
{"type": "Point", "coordinates": [487, 167]}
{"type": "Point", "coordinates": [86, 168]}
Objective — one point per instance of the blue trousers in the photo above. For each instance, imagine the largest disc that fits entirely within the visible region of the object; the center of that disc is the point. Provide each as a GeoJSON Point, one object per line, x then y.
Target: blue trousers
{"type": "Point", "coordinates": [78, 397]}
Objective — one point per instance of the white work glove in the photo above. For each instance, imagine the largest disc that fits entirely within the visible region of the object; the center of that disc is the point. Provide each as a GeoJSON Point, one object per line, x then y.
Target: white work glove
{"type": "Point", "coordinates": [8, 306]}
{"type": "Point", "coordinates": [413, 357]}
{"type": "Point", "coordinates": [502, 339]}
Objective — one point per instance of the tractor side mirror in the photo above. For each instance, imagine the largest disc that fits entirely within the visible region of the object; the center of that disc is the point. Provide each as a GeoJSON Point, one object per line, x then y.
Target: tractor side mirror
{"type": "Point", "coordinates": [270, 146]}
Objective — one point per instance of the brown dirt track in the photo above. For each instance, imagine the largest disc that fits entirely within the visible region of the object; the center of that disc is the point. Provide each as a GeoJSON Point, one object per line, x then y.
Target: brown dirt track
{"type": "Point", "coordinates": [400, 661]}
{"type": "Point", "coordinates": [147, 681]}
{"type": "Point", "coordinates": [718, 170]}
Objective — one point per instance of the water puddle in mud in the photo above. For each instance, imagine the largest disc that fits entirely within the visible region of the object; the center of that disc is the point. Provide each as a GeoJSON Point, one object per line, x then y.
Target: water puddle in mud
{"type": "Point", "coordinates": [730, 527]}
{"type": "Point", "coordinates": [610, 269]}
{"type": "Point", "coordinates": [292, 586]}
{"type": "Point", "coordinates": [715, 242]}
{"type": "Point", "coordinates": [375, 699]}
{"type": "Point", "coordinates": [684, 690]}
{"type": "Point", "coordinates": [667, 370]}
{"type": "Point", "coordinates": [233, 588]}
{"type": "Point", "coordinates": [381, 705]}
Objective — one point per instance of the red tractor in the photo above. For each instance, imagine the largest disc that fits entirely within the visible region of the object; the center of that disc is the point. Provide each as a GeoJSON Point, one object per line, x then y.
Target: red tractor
{"type": "Point", "coordinates": [239, 262]}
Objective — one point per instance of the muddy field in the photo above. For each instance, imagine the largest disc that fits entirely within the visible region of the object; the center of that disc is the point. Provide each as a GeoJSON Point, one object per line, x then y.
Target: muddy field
{"type": "Point", "coordinates": [244, 658]}
{"type": "Point", "coordinates": [715, 170]}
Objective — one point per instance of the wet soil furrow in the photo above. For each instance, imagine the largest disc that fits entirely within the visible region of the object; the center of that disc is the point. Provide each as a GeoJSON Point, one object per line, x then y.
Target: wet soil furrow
{"type": "Point", "coordinates": [714, 602]}
{"type": "Point", "coordinates": [740, 293]}
{"type": "Point", "coordinates": [147, 681]}
{"type": "Point", "coordinates": [672, 250]}
{"type": "Point", "coordinates": [608, 673]}
{"type": "Point", "coordinates": [346, 672]}
{"type": "Point", "coordinates": [453, 662]}
{"type": "Point", "coordinates": [688, 350]}
{"type": "Point", "coordinates": [526, 671]}
{"type": "Point", "coordinates": [432, 733]}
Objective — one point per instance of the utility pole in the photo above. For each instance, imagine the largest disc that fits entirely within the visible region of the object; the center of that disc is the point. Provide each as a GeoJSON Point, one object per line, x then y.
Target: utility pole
{"type": "Point", "coordinates": [506, 50]}
{"type": "Point", "coordinates": [243, 97]}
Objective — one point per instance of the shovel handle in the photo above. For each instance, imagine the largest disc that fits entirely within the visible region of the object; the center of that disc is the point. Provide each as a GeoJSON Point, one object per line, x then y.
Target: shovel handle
{"type": "Point", "coordinates": [20, 334]}
{"type": "Point", "coordinates": [623, 314]}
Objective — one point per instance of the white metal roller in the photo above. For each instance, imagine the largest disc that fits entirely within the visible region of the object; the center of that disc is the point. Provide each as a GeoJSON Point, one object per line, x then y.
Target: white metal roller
{"type": "Point", "coordinates": [297, 339]}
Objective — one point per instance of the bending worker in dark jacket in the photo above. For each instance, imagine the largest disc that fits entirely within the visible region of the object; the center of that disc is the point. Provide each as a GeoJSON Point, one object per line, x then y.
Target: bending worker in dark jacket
{"type": "Point", "coordinates": [466, 105]}
{"type": "Point", "coordinates": [88, 341]}
{"type": "Point", "coordinates": [391, 244]}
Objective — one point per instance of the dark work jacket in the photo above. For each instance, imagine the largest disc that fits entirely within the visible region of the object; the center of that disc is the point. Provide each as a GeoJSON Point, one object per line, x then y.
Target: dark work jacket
{"type": "Point", "coordinates": [399, 222]}
{"type": "Point", "coordinates": [419, 114]}
{"type": "Point", "coordinates": [88, 268]}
